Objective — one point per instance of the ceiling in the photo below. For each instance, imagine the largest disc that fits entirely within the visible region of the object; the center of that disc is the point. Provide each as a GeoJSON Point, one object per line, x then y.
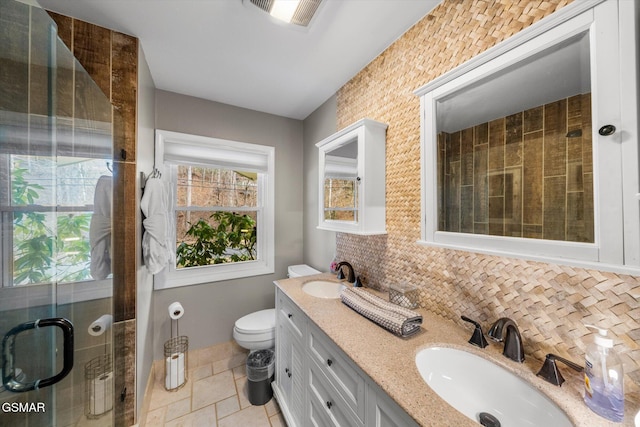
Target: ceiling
{"type": "Point", "coordinates": [229, 51]}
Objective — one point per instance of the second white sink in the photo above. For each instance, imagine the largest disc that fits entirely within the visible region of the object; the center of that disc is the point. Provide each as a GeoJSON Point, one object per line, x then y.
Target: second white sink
{"type": "Point", "coordinates": [479, 388]}
{"type": "Point", "coordinates": [323, 289]}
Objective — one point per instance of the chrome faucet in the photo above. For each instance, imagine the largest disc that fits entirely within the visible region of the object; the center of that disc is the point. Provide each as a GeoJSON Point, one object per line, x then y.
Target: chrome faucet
{"type": "Point", "coordinates": [506, 330]}
{"type": "Point", "coordinates": [351, 275]}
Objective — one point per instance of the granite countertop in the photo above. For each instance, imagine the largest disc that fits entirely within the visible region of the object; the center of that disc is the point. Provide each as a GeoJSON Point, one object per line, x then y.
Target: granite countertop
{"type": "Point", "coordinates": [390, 360]}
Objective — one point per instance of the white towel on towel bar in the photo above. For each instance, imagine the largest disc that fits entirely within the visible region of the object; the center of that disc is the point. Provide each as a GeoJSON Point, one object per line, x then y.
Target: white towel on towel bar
{"type": "Point", "coordinates": [100, 229]}
{"type": "Point", "coordinates": [155, 248]}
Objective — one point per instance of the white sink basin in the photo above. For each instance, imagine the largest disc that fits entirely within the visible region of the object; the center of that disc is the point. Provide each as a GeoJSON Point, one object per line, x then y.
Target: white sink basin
{"type": "Point", "coordinates": [323, 289]}
{"type": "Point", "coordinates": [474, 385]}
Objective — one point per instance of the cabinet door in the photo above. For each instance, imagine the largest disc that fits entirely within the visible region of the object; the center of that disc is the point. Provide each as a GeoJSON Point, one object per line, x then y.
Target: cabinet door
{"type": "Point", "coordinates": [352, 179]}
{"type": "Point", "coordinates": [297, 372]}
{"type": "Point", "coordinates": [290, 364]}
{"type": "Point", "coordinates": [382, 411]}
{"type": "Point", "coordinates": [283, 361]}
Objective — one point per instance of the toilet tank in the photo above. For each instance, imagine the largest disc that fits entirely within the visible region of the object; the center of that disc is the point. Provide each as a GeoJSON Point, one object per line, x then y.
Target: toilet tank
{"type": "Point", "coordinates": [301, 270]}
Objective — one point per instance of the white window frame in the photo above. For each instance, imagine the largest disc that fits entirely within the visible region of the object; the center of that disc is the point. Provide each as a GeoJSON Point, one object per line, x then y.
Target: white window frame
{"type": "Point", "coordinates": [616, 188]}
{"type": "Point", "coordinates": [200, 150]}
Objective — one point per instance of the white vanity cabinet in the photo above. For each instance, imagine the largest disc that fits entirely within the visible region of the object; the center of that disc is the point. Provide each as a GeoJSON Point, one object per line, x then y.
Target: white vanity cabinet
{"type": "Point", "coordinates": [317, 384]}
{"type": "Point", "coordinates": [291, 326]}
{"type": "Point", "coordinates": [352, 179]}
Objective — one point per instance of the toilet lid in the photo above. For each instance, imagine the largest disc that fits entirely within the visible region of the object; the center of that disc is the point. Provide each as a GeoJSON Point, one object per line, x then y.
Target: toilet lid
{"type": "Point", "coordinates": [257, 322]}
{"type": "Point", "coordinates": [301, 270]}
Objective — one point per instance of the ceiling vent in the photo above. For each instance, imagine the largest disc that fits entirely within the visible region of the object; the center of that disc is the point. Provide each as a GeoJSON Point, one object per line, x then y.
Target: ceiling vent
{"type": "Point", "coordinates": [298, 12]}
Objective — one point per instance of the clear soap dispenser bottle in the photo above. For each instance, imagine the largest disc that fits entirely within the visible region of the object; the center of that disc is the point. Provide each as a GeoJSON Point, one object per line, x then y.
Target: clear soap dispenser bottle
{"type": "Point", "coordinates": [603, 389]}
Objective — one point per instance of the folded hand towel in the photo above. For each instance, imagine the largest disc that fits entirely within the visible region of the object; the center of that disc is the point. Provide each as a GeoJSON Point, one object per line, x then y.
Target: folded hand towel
{"type": "Point", "coordinates": [398, 320]}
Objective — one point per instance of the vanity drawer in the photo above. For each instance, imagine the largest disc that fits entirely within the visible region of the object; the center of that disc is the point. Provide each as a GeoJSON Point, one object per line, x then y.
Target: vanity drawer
{"type": "Point", "coordinates": [343, 375]}
{"type": "Point", "coordinates": [326, 406]}
{"type": "Point", "coordinates": [290, 314]}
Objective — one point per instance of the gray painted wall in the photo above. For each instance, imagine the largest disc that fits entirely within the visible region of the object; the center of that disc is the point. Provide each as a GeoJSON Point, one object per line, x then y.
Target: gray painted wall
{"type": "Point", "coordinates": [211, 309]}
{"type": "Point", "coordinates": [144, 291]}
{"type": "Point", "coordinates": [319, 245]}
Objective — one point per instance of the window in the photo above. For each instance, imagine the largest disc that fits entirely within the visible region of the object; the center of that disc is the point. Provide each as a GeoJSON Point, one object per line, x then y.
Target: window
{"type": "Point", "coordinates": [518, 153]}
{"type": "Point", "coordinates": [221, 203]}
{"type": "Point", "coordinates": [46, 215]}
{"type": "Point", "coordinates": [216, 214]}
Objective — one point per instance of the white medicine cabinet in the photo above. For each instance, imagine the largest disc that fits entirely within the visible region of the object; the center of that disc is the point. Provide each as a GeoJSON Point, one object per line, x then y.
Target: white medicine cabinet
{"type": "Point", "coordinates": [352, 179]}
{"type": "Point", "coordinates": [531, 148]}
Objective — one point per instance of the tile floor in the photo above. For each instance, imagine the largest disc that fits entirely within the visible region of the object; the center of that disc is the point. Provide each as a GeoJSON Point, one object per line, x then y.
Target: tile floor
{"type": "Point", "coordinates": [215, 394]}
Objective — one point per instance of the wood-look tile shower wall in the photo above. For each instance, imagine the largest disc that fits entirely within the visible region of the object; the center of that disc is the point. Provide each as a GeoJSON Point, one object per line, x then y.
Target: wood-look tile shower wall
{"type": "Point", "coordinates": [520, 175]}
{"type": "Point", "coordinates": [111, 59]}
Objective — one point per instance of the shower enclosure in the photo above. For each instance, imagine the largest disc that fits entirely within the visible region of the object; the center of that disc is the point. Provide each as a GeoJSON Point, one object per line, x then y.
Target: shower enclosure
{"type": "Point", "coordinates": [55, 219]}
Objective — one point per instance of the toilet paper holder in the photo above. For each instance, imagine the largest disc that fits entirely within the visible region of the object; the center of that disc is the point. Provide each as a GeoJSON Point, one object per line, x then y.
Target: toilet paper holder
{"type": "Point", "coordinates": [176, 352]}
{"type": "Point", "coordinates": [99, 386]}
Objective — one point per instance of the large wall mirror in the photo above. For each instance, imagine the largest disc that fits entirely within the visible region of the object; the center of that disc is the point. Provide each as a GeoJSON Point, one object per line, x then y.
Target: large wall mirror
{"type": "Point", "coordinates": [522, 165]}
{"type": "Point", "coordinates": [524, 148]}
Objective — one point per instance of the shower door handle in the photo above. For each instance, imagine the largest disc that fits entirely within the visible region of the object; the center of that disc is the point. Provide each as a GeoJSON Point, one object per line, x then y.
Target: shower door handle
{"type": "Point", "coordinates": [8, 354]}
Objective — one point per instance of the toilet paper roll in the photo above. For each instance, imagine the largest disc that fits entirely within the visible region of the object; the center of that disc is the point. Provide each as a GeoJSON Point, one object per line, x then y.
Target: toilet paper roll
{"type": "Point", "coordinates": [100, 325]}
{"type": "Point", "coordinates": [174, 369]}
{"type": "Point", "coordinates": [101, 394]}
{"type": "Point", "coordinates": [176, 310]}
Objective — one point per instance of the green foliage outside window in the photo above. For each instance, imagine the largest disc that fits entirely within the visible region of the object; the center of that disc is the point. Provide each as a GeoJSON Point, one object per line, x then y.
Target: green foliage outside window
{"type": "Point", "coordinates": [233, 239]}
{"type": "Point", "coordinates": [42, 254]}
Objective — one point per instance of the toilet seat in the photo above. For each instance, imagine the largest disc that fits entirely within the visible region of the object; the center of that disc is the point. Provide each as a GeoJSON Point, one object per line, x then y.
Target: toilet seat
{"type": "Point", "coordinates": [259, 322]}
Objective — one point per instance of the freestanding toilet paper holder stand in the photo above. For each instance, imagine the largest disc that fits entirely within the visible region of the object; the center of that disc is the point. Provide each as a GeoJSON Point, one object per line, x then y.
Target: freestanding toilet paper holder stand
{"type": "Point", "coordinates": [176, 354]}
{"type": "Point", "coordinates": [98, 374]}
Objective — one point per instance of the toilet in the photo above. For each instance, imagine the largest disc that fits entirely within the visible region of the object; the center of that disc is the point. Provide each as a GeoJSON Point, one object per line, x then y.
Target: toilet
{"type": "Point", "coordinates": [257, 330]}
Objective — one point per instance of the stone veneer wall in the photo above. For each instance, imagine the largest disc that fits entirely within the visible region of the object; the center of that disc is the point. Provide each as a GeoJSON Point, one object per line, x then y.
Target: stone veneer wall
{"type": "Point", "coordinates": [549, 302]}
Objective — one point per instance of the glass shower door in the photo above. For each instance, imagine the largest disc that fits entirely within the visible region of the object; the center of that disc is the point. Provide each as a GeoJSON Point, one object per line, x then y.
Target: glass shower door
{"type": "Point", "coordinates": [55, 218]}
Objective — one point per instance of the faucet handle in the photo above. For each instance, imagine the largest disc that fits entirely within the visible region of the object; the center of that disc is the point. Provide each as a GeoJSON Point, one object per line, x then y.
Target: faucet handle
{"type": "Point", "coordinates": [477, 338]}
{"type": "Point", "coordinates": [549, 371]}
